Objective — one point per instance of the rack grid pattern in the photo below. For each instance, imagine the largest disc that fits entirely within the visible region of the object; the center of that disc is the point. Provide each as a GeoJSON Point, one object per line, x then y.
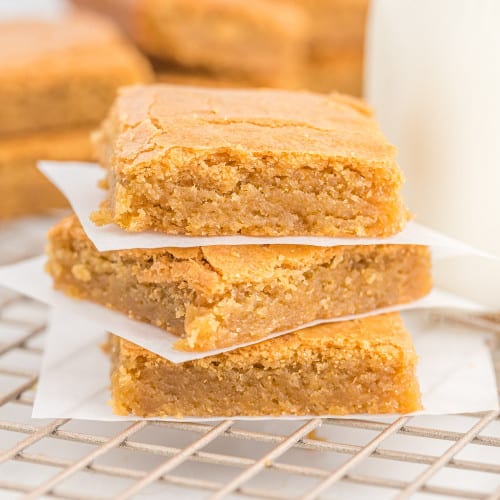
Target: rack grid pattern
{"type": "Point", "coordinates": [309, 459]}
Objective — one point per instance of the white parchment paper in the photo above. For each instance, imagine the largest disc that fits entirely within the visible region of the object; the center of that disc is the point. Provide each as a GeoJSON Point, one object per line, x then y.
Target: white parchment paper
{"type": "Point", "coordinates": [28, 278]}
{"type": "Point", "coordinates": [455, 371]}
{"type": "Point", "coordinates": [78, 182]}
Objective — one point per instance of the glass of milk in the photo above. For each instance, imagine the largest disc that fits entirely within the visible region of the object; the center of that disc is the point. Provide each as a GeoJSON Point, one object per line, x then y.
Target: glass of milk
{"type": "Point", "coordinates": [432, 75]}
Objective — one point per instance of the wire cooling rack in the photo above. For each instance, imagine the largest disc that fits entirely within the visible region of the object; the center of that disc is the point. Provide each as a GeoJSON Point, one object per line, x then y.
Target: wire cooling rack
{"type": "Point", "coordinates": [418, 457]}
{"type": "Point", "coordinates": [314, 458]}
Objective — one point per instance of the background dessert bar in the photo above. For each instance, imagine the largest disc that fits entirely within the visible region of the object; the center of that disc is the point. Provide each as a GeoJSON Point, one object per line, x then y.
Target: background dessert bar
{"type": "Point", "coordinates": [262, 41]}
{"type": "Point", "coordinates": [314, 44]}
{"type": "Point", "coordinates": [62, 73]}
{"type": "Point", "coordinates": [58, 78]}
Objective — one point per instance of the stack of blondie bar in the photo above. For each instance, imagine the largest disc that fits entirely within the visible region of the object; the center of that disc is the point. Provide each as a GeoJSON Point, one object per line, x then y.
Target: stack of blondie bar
{"type": "Point", "coordinates": [267, 163]}
{"type": "Point", "coordinates": [58, 77]}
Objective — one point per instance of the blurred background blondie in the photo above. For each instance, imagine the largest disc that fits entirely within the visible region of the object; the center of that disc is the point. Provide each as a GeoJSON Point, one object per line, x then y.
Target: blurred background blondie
{"type": "Point", "coordinates": [313, 44]}
{"type": "Point", "coordinates": [58, 78]}
{"type": "Point", "coordinates": [257, 43]}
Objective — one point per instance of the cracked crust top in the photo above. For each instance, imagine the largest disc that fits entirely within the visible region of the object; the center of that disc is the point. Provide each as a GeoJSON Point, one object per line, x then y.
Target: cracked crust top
{"type": "Point", "coordinates": [384, 335]}
{"type": "Point", "coordinates": [148, 120]}
{"type": "Point", "coordinates": [216, 269]}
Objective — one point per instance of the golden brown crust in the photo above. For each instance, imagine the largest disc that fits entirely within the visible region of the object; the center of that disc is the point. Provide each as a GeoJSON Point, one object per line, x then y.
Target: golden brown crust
{"type": "Point", "coordinates": [361, 366]}
{"type": "Point", "coordinates": [220, 296]}
{"type": "Point", "coordinates": [186, 160]}
{"type": "Point", "coordinates": [63, 73]}
{"type": "Point", "coordinates": [384, 333]}
{"type": "Point", "coordinates": [258, 120]}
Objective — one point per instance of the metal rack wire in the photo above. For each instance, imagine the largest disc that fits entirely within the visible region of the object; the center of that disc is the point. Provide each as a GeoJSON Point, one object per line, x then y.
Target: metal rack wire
{"type": "Point", "coordinates": [310, 459]}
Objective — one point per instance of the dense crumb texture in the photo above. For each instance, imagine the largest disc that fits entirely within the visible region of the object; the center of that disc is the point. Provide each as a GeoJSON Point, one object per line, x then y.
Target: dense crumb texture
{"type": "Point", "coordinates": [220, 296]}
{"type": "Point", "coordinates": [23, 188]}
{"type": "Point", "coordinates": [63, 73]}
{"type": "Point", "coordinates": [262, 41]}
{"type": "Point", "coordinates": [186, 160]}
{"type": "Point", "coordinates": [361, 366]}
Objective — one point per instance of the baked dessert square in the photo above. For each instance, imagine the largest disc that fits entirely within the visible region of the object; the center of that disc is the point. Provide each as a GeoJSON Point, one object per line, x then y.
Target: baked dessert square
{"type": "Point", "coordinates": [353, 367]}
{"type": "Point", "coordinates": [63, 73]}
{"type": "Point", "coordinates": [198, 161]}
{"type": "Point", "coordinates": [23, 188]}
{"type": "Point", "coordinates": [219, 296]}
{"type": "Point", "coordinates": [262, 40]}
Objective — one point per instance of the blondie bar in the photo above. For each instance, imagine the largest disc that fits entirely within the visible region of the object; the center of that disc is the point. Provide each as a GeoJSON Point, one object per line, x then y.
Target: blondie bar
{"type": "Point", "coordinates": [63, 73]}
{"type": "Point", "coordinates": [220, 296]}
{"type": "Point", "coordinates": [23, 189]}
{"type": "Point", "coordinates": [196, 161]}
{"type": "Point", "coordinates": [361, 366]}
{"type": "Point", "coordinates": [262, 40]}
